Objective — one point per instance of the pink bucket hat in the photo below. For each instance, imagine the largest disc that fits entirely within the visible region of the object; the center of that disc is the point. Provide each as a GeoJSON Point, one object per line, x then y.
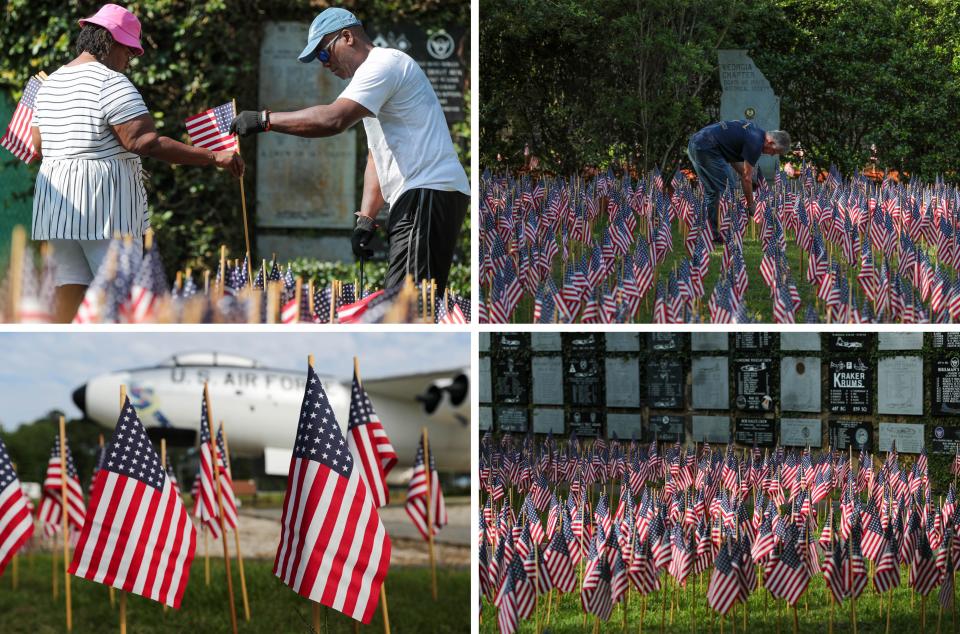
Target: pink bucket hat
{"type": "Point", "coordinates": [122, 25]}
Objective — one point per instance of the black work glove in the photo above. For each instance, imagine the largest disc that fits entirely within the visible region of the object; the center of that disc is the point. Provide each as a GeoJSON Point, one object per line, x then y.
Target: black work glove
{"type": "Point", "coordinates": [249, 122]}
{"type": "Point", "coordinates": [362, 235]}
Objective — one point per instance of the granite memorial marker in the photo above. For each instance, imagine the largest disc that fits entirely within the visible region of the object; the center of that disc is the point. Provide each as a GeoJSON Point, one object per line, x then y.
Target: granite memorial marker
{"type": "Point", "coordinates": [666, 427]}
{"type": "Point", "coordinates": [759, 431]}
{"type": "Point", "coordinates": [752, 340]}
{"type": "Point", "coordinates": [908, 436]}
{"type": "Point", "coordinates": [548, 380]}
{"type": "Point", "coordinates": [665, 383]}
{"type": "Point", "coordinates": [801, 432]}
{"type": "Point", "coordinates": [946, 440]}
{"type": "Point", "coordinates": [748, 95]}
{"type": "Point", "coordinates": [844, 433]}
{"type": "Point", "coordinates": [512, 419]}
{"type": "Point", "coordinates": [900, 386]}
{"type": "Point", "coordinates": [711, 383]}
{"type": "Point", "coordinates": [946, 396]}
{"type": "Point", "coordinates": [754, 378]}
{"type": "Point", "coordinates": [664, 341]}
{"type": "Point", "coordinates": [623, 381]}
{"type": "Point", "coordinates": [806, 341]}
{"type": "Point", "coordinates": [800, 384]}
{"type": "Point", "coordinates": [899, 340]}
{"type": "Point", "coordinates": [850, 386]}
{"type": "Point", "coordinates": [711, 429]}
{"type": "Point", "coordinates": [708, 341]}
{"type": "Point", "coordinates": [547, 420]}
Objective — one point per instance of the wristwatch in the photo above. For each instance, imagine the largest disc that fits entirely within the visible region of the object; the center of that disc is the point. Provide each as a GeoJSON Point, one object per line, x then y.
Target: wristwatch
{"type": "Point", "coordinates": [265, 120]}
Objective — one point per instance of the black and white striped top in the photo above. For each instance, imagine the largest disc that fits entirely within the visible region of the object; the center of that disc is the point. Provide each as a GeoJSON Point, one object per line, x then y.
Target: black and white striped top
{"type": "Point", "coordinates": [89, 187]}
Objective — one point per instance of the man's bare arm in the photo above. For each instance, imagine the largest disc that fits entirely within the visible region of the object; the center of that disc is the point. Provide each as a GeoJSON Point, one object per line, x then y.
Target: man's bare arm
{"type": "Point", "coordinates": [745, 170]}
{"type": "Point", "coordinates": [319, 121]}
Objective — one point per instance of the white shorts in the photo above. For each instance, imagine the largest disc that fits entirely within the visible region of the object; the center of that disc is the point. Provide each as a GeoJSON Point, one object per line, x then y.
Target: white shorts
{"type": "Point", "coordinates": [77, 261]}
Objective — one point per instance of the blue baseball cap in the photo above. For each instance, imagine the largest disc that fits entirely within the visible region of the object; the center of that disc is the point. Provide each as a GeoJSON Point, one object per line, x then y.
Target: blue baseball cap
{"type": "Point", "coordinates": [329, 21]}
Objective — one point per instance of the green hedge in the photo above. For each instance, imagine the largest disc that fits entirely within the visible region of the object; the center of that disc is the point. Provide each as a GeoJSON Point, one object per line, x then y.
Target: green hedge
{"type": "Point", "coordinates": [197, 55]}
{"type": "Point", "coordinates": [374, 273]}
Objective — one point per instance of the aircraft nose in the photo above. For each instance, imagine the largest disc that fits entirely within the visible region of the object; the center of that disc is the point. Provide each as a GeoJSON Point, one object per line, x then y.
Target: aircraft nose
{"type": "Point", "coordinates": [80, 398]}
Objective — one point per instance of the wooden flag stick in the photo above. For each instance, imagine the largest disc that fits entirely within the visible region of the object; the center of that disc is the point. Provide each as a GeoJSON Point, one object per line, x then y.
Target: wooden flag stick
{"type": "Point", "coordinates": [66, 527]}
{"type": "Point", "coordinates": [236, 532]}
{"type": "Point", "coordinates": [123, 594]}
{"type": "Point", "coordinates": [223, 270]}
{"type": "Point", "coordinates": [243, 203]}
{"type": "Point", "coordinates": [316, 616]}
{"type": "Point", "coordinates": [17, 249]}
{"type": "Point", "coordinates": [206, 553]}
{"type": "Point", "coordinates": [426, 466]}
{"type": "Point", "coordinates": [223, 531]}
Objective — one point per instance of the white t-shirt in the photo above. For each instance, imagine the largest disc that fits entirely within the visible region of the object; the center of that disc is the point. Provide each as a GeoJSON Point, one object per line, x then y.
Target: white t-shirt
{"type": "Point", "coordinates": [407, 135]}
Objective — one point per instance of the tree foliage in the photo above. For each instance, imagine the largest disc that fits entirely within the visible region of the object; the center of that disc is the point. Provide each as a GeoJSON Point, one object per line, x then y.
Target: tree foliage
{"type": "Point", "coordinates": [598, 82]}
{"type": "Point", "coordinates": [197, 55]}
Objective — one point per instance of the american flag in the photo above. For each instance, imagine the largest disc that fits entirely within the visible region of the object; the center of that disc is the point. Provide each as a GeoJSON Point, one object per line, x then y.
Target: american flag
{"type": "Point", "coordinates": [149, 286]}
{"type": "Point", "coordinates": [137, 536]}
{"type": "Point", "coordinates": [18, 137]}
{"type": "Point", "coordinates": [226, 484]}
{"type": "Point", "coordinates": [724, 590]}
{"type": "Point", "coordinates": [369, 443]}
{"type": "Point", "coordinates": [52, 489]}
{"type": "Point", "coordinates": [560, 564]}
{"type": "Point", "coordinates": [333, 547]}
{"type": "Point", "coordinates": [16, 523]}
{"type": "Point", "coordinates": [211, 129]}
{"type": "Point", "coordinates": [416, 504]}
{"type": "Point", "coordinates": [205, 504]}
{"type": "Point", "coordinates": [887, 573]}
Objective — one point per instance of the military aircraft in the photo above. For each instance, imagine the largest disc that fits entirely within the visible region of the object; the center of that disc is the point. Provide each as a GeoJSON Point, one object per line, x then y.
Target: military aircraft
{"type": "Point", "coordinates": [260, 407]}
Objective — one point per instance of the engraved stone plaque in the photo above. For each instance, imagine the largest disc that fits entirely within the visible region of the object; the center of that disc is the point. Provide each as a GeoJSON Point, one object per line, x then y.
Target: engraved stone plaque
{"type": "Point", "coordinates": [664, 341]}
{"type": "Point", "coordinates": [754, 383]}
{"type": "Point", "coordinates": [900, 386]}
{"type": "Point", "coordinates": [485, 394]}
{"type": "Point", "coordinates": [486, 418]}
{"type": "Point", "coordinates": [711, 383]}
{"type": "Point", "coordinates": [946, 440]}
{"type": "Point", "coordinates": [548, 380]}
{"type": "Point", "coordinates": [899, 341]}
{"type": "Point", "coordinates": [711, 429]}
{"type": "Point", "coordinates": [623, 341]}
{"type": "Point", "coordinates": [625, 426]}
{"type": "Point", "coordinates": [511, 419]}
{"type": "Point", "coordinates": [484, 342]}
{"type": "Point", "coordinates": [850, 386]}
{"type": "Point", "coordinates": [800, 432]}
{"type": "Point", "coordinates": [665, 383]}
{"type": "Point", "coordinates": [851, 432]}
{"type": "Point", "coordinates": [759, 431]}
{"type": "Point", "coordinates": [546, 341]}
{"type": "Point", "coordinates": [806, 341]}
{"type": "Point", "coordinates": [800, 384]}
{"type": "Point", "coordinates": [548, 420]}
{"type": "Point", "coordinates": [666, 428]}
{"type": "Point", "coordinates": [946, 391]}
{"type": "Point", "coordinates": [949, 340]}
{"type": "Point", "coordinates": [752, 340]}
{"type": "Point", "coordinates": [707, 341]}
{"type": "Point", "coordinates": [908, 436]}
{"type": "Point", "coordinates": [586, 423]}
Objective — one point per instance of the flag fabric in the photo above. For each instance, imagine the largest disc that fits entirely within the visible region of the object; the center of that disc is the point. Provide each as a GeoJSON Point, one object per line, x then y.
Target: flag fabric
{"type": "Point", "coordinates": [205, 506]}
{"type": "Point", "coordinates": [369, 443]}
{"type": "Point", "coordinates": [724, 590]}
{"type": "Point", "coordinates": [333, 547]}
{"type": "Point", "coordinates": [137, 536]}
{"type": "Point", "coordinates": [52, 489]}
{"type": "Point", "coordinates": [226, 484]}
{"type": "Point", "coordinates": [16, 522]}
{"type": "Point", "coordinates": [18, 138]}
{"type": "Point", "coordinates": [416, 504]}
{"type": "Point", "coordinates": [211, 129]}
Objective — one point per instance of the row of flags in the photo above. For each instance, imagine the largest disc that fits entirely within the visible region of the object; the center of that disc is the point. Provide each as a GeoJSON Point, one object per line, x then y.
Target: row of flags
{"type": "Point", "coordinates": [630, 515]}
{"type": "Point", "coordinates": [594, 250]}
{"type": "Point", "coordinates": [136, 534]}
{"type": "Point", "coordinates": [123, 291]}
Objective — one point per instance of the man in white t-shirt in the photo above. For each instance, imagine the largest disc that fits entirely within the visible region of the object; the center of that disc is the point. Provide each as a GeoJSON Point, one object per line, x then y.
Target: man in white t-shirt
{"type": "Point", "coordinates": [411, 163]}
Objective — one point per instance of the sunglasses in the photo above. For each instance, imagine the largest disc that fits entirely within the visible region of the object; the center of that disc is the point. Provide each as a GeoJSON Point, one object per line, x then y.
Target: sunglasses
{"type": "Point", "coordinates": [324, 54]}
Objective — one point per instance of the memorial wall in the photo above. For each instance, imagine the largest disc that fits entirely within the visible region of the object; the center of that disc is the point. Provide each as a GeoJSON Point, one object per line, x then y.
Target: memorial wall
{"type": "Point", "coordinates": [859, 390]}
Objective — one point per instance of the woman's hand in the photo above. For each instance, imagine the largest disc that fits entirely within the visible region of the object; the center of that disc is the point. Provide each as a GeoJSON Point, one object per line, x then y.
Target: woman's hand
{"type": "Point", "coordinates": [230, 161]}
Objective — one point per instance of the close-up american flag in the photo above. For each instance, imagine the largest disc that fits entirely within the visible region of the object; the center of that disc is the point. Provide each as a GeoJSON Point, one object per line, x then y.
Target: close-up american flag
{"type": "Point", "coordinates": [333, 547]}
{"type": "Point", "coordinates": [18, 138]}
{"type": "Point", "coordinates": [211, 129]}
{"type": "Point", "coordinates": [137, 535]}
{"type": "Point", "coordinates": [369, 443]}
{"type": "Point", "coordinates": [16, 523]}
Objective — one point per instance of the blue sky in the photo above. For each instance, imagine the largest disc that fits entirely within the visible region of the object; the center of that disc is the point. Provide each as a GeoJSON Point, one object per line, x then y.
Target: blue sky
{"type": "Point", "coordinates": [39, 371]}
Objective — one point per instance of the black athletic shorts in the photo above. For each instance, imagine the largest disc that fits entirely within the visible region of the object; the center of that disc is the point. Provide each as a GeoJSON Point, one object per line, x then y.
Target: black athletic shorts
{"type": "Point", "coordinates": [423, 228]}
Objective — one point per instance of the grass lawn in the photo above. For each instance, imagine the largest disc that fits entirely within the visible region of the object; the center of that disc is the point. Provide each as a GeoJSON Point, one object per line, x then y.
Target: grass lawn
{"type": "Point", "coordinates": [758, 299]}
{"type": "Point", "coordinates": [274, 607]}
{"type": "Point", "coordinates": [691, 613]}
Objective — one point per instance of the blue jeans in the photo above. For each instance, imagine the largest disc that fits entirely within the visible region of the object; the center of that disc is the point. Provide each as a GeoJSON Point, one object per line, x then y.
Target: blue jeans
{"type": "Point", "coordinates": [714, 174]}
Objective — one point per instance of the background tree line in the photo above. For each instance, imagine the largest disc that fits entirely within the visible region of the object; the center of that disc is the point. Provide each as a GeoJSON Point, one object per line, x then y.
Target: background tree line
{"type": "Point", "coordinates": [599, 82]}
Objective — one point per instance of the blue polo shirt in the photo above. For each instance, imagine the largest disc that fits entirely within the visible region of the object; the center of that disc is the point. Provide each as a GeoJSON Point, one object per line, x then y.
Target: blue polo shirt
{"type": "Point", "coordinates": [736, 141]}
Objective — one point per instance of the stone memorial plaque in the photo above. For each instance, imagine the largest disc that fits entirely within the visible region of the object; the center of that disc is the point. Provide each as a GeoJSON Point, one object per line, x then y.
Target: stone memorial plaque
{"type": "Point", "coordinates": [949, 340]}
{"type": "Point", "coordinates": [623, 381]}
{"type": "Point", "coordinates": [711, 383]}
{"type": "Point", "coordinates": [946, 440]}
{"type": "Point", "coordinates": [301, 183]}
{"type": "Point", "coordinates": [806, 341]}
{"type": "Point", "coordinates": [666, 381]}
{"type": "Point", "coordinates": [754, 383]}
{"type": "Point", "coordinates": [442, 53]}
{"type": "Point", "coordinates": [851, 381]}
{"type": "Point", "coordinates": [625, 426]}
{"type": "Point", "coordinates": [583, 371]}
{"type": "Point", "coordinates": [548, 380]}
{"type": "Point", "coordinates": [711, 429]}
{"type": "Point", "coordinates": [586, 423]}
{"type": "Point", "coordinates": [485, 394]}
{"type": "Point", "coordinates": [512, 419]}
{"type": "Point", "coordinates": [664, 341]}
{"type": "Point", "coordinates": [707, 341]}
{"type": "Point", "coordinates": [750, 431]}
{"type": "Point", "coordinates": [946, 381]}
{"type": "Point", "coordinates": [900, 386]}
{"type": "Point", "coordinates": [484, 342]}
{"type": "Point", "coordinates": [511, 341]}
{"type": "Point", "coordinates": [800, 432]}
{"type": "Point", "coordinates": [486, 418]}
{"type": "Point", "coordinates": [899, 340]}
{"type": "Point", "coordinates": [511, 382]}
{"type": "Point", "coordinates": [548, 420]}
{"type": "Point", "coordinates": [666, 428]}
{"type": "Point", "coordinates": [800, 384]}
{"type": "Point", "coordinates": [752, 340]}
{"type": "Point", "coordinates": [545, 341]}
{"type": "Point", "coordinates": [844, 433]}
{"type": "Point", "coordinates": [852, 342]}
{"type": "Point", "coordinates": [908, 436]}
{"type": "Point", "coordinates": [748, 95]}
{"type": "Point", "coordinates": [623, 342]}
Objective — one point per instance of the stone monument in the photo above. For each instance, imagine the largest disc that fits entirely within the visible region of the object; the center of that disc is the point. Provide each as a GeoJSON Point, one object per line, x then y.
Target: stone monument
{"type": "Point", "coordinates": [748, 95]}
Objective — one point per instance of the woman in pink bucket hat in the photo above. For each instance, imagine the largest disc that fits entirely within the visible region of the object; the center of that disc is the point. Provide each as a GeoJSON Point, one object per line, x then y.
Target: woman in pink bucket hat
{"type": "Point", "coordinates": [92, 128]}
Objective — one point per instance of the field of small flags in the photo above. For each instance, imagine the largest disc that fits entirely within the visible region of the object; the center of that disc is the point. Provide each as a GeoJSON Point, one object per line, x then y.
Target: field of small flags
{"type": "Point", "coordinates": [619, 536]}
{"type": "Point", "coordinates": [237, 292]}
{"type": "Point", "coordinates": [819, 248]}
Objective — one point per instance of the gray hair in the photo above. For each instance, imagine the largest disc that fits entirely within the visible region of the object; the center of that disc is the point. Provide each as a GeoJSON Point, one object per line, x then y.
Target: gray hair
{"type": "Point", "coordinates": [781, 140]}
